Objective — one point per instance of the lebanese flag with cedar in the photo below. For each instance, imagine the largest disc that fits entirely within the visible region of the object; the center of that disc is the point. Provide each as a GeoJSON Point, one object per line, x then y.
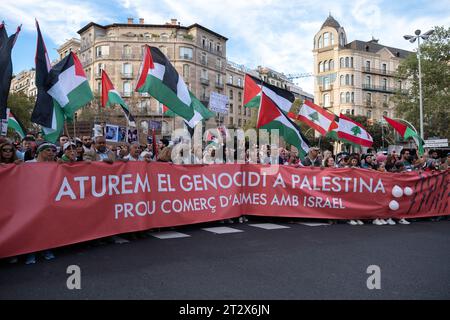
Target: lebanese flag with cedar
{"type": "Point", "coordinates": [353, 132]}
{"type": "Point", "coordinates": [316, 117]}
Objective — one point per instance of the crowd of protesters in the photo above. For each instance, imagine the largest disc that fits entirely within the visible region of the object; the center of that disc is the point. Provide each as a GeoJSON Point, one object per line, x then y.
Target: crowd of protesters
{"type": "Point", "coordinates": [86, 148]}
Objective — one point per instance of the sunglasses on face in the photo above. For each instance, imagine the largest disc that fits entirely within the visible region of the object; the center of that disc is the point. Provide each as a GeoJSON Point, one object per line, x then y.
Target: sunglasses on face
{"type": "Point", "coordinates": [7, 150]}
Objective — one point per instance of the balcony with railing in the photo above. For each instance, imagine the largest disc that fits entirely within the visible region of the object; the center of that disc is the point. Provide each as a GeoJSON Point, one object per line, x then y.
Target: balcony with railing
{"type": "Point", "coordinates": [378, 71]}
{"type": "Point", "coordinates": [204, 81]}
{"type": "Point", "coordinates": [186, 57]}
{"type": "Point", "coordinates": [219, 85]}
{"type": "Point", "coordinates": [127, 75]}
{"type": "Point", "coordinates": [326, 88]}
{"type": "Point", "coordinates": [127, 94]}
{"type": "Point", "coordinates": [371, 87]}
{"type": "Point", "coordinates": [204, 99]}
{"type": "Point", "coordinates": [130, 56]}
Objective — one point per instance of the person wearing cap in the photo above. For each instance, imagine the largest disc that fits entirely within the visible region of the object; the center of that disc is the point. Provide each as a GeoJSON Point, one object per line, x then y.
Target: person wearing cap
{"type": "Point", "coordinates": [69, 152]}
{"type": "Point", "coordinates": [312, 159]}
{"type": "Point", "coordinates": [79, 149]}
{"type": "Point", "coordinates": [46, 152]}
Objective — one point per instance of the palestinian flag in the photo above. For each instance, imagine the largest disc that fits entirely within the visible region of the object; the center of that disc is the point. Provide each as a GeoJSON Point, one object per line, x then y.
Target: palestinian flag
{"type": "Point", "coordinates": [160, 79]}
{"type": "Point", "coordinates": [316, 117]}
{"type": "Point", "coordinates": [47, 112]}
{"type": "Point", "coordinates": [111, 96]}
{"type": "Point", "coordinates": [270, 116]}
{"type": "Point", "coordinates": [6, 68]}
{"type": "Point", "coordinates": [200, 112]}
{"type": "Point", "coordinates": [353, 131]}
{"type": "Point", "coordinates": [406, 133]}
{"type": "Point", "coordinates": [16, 125]}
{"type": "Point", "coordinates": [252, 94]}
{"type": "Point", "coordinates": [62, 90]}
{"type": "Point", "coordinates": [68, 85]}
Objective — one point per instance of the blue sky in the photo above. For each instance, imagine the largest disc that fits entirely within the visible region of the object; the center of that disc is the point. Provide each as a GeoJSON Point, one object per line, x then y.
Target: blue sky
{"type": "Point", "coordinates": [278, 34]}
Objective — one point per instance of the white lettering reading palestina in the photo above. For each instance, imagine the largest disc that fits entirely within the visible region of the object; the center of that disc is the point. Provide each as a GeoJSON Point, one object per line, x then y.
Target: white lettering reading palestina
{"type": "Point", "coordinates": [109, 185]}
{"type": "Point", "coordinates": [79, 188]}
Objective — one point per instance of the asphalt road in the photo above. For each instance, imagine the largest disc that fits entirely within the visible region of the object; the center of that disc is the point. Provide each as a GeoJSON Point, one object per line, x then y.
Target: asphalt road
{"type": "Point", "coordinates": [300, 262]}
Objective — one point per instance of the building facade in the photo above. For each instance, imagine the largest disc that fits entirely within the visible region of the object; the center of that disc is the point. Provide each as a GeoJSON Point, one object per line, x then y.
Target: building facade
{"type": "Point", "coordinates": [197, 53]}
{"type": "Point", "coordinates": [355, 78]}
{"type": "Point", "coordinates": [24, 82]}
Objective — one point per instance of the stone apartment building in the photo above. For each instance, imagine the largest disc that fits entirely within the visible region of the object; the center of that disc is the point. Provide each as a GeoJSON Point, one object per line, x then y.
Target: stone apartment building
{"type": "Point", "coordinates": [24, 82]}
{"type": "Point", "coordinates": [355, 78]}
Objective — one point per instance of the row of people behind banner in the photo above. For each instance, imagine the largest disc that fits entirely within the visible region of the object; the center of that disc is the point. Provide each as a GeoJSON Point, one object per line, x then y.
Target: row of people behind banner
{"type": "Point", "coordinates": [86, 148]}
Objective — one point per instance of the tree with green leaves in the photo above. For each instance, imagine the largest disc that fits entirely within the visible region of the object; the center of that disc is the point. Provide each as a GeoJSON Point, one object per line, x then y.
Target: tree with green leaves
{"type": "Point", "coordinates": [22, 107]}
{"type": "Point", "coordinates": [435, 67]}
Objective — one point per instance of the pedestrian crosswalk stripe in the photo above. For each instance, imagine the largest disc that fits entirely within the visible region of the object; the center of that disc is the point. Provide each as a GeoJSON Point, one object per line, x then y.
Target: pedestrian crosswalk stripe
{"type": "Point", "coordinates": [222, 230]}
{"type": "Point", "coordinates": [169, 235]}
{"type": "Point", "coordinates": [314, 224]}
{"type": "Point", "coordinates": [268, 226]}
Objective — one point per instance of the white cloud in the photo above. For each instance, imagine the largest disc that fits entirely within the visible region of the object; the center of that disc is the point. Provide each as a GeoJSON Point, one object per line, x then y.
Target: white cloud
{"type": "Point", "coordinates": [59, 19]}
{"type": "Point", "coordinates": [277, 34]}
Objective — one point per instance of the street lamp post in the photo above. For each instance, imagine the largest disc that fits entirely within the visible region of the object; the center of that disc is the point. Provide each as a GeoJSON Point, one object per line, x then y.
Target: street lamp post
{"type": "Point", "coordinates": [412, 39]}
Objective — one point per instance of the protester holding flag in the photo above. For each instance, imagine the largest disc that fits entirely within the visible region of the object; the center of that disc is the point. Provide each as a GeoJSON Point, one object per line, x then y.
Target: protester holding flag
{"type": "Point", "coordinates": [62, 90]}
{"type": "Point", "coordinates": [111, 96]}
{"type": "Point", "coordinates": [6, 68]}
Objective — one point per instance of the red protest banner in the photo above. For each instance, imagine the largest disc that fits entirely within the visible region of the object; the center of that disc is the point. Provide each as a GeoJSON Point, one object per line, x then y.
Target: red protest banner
{"type": "Point", "coordinates": [47, 205]}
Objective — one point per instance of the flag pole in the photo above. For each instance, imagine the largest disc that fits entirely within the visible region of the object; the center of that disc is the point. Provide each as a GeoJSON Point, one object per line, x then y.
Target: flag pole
{"type": "Point", "coordinates": [74, 126]}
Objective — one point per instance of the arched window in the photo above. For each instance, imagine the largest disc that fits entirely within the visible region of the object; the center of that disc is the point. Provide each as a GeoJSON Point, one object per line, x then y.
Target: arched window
{"type": "Point", "coordinates": [353, 80]}
{"type": "Point", "coordinates": [231, 94]}
{"type": "Point", "coordinates": [353, 97]}
{"type": "Point", "coordinates": [326, 39]}
{"type": "Point", "coordinates": [367, 65]}
{"type": "Point", "coordinates": [347, 79]}
{"type": "Point", "coordinates": [369, 114]}
{"type": "Point", "coordinates": [326, 67]}
{"type": "Point", "coordinates": [342, 97]}
{"type": "Point", "coordinates": [331, 64]}
{"type": "Point", "coordinates": [347, 62]}
{"type": "Point", "coordinates": [331, 38]}
{"type": "Point", "coordinates": [320, 42]}
{"type": "Point", "coordinates": [368, 81]}
{"type": "Point", "coordinates": [341, 63]}
{"type": "Point", "coordinates": [384, 83]}
{"type": "Point", "coordinates": [368, 98]}
{"type": "Point", "coordinates": [347, 97]}
{"type": "Point", "coordinates": [320, 67]}
{"type": "Point", "coordinates": [342, 81]}
{"type": "Point", "coordinates": [351, 62]}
